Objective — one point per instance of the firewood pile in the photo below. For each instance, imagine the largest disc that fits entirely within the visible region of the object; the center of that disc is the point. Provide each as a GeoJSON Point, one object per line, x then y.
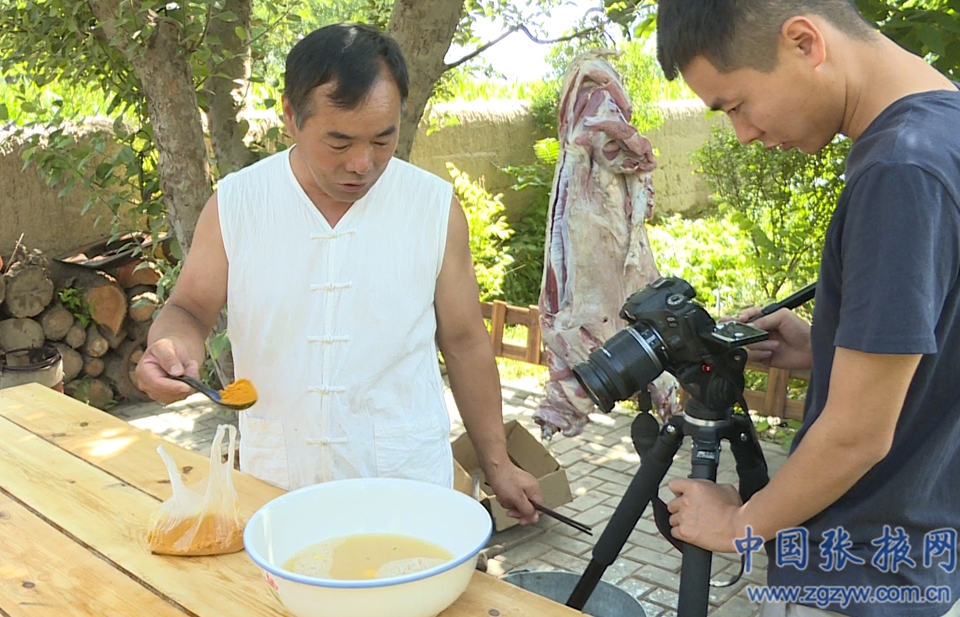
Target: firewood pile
{"type": "Point", "coordinates": [97, 319]}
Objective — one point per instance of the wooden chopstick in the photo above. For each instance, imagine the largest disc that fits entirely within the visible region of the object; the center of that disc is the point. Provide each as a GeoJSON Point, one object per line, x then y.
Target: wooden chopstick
{"type": "Point", "coordinates": [563, 519]}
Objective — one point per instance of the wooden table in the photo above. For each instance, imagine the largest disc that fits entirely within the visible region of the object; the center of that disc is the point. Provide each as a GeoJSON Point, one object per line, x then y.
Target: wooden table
{"type": "Point", "coordinates": [77, 487]}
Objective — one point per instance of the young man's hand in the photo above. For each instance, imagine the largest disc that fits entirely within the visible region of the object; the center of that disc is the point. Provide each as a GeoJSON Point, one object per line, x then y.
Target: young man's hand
{"type": "Point", "coordinates": [705, 514]}
{"type": "Point", "coordinates": [789, 344]}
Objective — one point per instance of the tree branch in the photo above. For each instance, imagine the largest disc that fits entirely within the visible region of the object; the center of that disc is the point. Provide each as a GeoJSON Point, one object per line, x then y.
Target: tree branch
{"type": "Point", "coordinates": [523, 28]}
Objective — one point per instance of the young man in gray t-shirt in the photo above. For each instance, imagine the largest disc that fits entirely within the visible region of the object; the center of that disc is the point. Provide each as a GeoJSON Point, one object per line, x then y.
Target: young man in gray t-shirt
{"type": "Point", "coordinates": [869, 494]}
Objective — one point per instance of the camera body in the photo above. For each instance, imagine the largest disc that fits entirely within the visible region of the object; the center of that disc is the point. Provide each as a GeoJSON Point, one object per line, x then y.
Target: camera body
{"type": "Point", "coordinates": [669, 331]}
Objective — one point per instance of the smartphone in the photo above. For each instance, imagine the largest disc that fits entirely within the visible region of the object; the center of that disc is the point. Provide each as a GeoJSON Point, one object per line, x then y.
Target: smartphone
{"type": "Point", "coordinates": [738, 334]}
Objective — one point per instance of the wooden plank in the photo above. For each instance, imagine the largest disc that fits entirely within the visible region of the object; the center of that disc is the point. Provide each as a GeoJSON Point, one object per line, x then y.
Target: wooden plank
{"type": "Point", "coordinates": [43, 572]}
{"type": "Point", "coordinates": [755, 400]}
{"type": "Point", "coordinates": [793, 409]}
{"type": "Point", "coordinates": [116, 446]}
{"type": "Point", "coordinates": [534, 343]}
{"type": "Point", "coordinates": [69, 433]}
{"type": "Point", "coordinates": [497, 322]}
{"type": "Point", "coordinates": [775, 401]}
{"type": "Point", "coordinates": [110, 517]}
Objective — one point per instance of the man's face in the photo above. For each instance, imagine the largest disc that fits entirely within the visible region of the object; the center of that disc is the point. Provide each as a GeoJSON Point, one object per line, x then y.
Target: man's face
{"type": "Point", "coordinates": [779, 109]}
{"type": "Point", "coordinates": [347, 150]}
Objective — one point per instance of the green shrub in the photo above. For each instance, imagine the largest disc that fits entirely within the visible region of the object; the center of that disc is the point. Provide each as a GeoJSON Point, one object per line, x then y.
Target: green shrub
{"type": "Point", "coordinates": [488, 231]}
{"type": "Point", "coordinates": [522, 282]}
{"type": "Point", "coordinates": [709, 253]}
{"type": "Point", "coordinates": [781, 201]}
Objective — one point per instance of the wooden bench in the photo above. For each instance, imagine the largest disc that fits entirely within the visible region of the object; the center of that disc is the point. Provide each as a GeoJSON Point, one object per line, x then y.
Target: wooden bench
{"type": "Point", "coordinates": [502, 314]}
{"type": "Point", "coordinates": [774, 401]}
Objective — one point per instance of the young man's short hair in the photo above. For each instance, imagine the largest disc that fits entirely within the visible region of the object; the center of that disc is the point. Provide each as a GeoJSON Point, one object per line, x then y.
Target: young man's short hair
{"type": "Point", "coordinates": [737, 34]}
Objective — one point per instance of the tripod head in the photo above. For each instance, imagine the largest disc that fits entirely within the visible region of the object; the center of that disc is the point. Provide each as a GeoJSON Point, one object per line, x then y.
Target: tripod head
{"type": "Point", "coordinates": [669, 331]}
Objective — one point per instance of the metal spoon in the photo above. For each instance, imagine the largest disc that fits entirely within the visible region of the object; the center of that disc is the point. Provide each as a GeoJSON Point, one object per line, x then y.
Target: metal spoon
{"type": "Point", "coordinates": [209, 392]}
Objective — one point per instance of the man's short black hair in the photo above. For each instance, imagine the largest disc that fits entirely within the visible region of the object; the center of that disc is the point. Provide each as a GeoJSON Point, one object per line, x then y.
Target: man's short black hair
{"type": "Point", "coordinates": [350, 55]}
{"type": "Point", "coordinates": [737, 34]}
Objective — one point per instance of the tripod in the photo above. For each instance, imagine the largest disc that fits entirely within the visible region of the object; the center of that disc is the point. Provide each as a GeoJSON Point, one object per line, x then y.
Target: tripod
{"type": "Point", "coordinates": [707, 427]}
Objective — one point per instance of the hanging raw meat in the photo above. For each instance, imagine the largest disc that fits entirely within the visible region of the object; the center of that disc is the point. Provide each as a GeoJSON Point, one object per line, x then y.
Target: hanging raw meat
{"type": "Point", "coordinates": [597, 251]}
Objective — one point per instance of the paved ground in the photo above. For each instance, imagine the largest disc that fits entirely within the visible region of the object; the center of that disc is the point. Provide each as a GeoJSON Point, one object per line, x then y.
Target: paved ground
{"type": "Point", "coordinates": [599, 465]}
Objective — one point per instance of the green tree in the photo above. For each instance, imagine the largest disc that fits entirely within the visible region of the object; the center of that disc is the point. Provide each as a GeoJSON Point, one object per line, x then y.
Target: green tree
{"type": "Point", "coordinates": [160, 68]}
{"type": "Point", "coordinates": [929, 28]}
{"type": "Point", "coordinates": [782, 201]}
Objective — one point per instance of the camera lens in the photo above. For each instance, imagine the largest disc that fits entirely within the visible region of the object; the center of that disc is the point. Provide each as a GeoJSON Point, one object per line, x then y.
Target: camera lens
{"type": "Point", "coordinates": [621, 367]}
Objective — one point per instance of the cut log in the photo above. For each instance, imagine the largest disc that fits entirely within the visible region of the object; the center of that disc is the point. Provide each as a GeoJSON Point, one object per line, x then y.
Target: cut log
{"type": "Point", "coordinates": [143, 306]}
{"type": "Point", "coordinates": [91, 391]}
{"type": "Point", "coordinates": [113, 339]}
{"type": "Point", "coordinates": [56, 321]}
{"type": "Point", "coordinates": [96, 345]}
{"type": "Point", "coordinates": [76, 335]}
{"type": "Point", "coordinates": [136, 330]}
{"type": "Point", "coordinates": [92, 366]}
{"type": "Point", "coordinates": [72, 361]}
{"type": "Point", "coordinates": [20, 334]}
{"type": "Point", "coordinates": [118, 372]}
{"type": "Point", "coordinates": [102, 294]}
{"type": "Point", "coordinates": [139, 289]}
{"type": "Point", "coordinates": [138, 273]}
{"type": "Point", "coordinates": [108, 305]}
{"type": "Point", "coordinates": [29, 287]}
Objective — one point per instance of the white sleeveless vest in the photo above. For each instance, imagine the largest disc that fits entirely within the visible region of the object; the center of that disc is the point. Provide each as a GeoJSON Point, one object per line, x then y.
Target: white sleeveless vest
{"type": "Point", "coordinates": [336, 327]}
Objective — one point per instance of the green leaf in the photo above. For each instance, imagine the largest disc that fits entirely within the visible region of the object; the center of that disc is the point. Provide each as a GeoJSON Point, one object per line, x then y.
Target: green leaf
{"type": "Point", "coordinates": [931, 38]}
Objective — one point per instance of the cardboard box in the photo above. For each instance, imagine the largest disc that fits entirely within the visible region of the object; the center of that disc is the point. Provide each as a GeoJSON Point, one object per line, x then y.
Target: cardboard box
{"type": "Point", "coordinates": [528, 454]}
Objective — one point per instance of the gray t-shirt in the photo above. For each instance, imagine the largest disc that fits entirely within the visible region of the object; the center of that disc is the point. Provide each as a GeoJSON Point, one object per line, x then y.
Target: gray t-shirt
{"type": "Point", "coordinates": [889, 284]}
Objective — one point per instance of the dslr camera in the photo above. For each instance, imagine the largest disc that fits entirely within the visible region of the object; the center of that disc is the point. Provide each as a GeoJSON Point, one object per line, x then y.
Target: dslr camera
{"type": "Point", "coordinates": [669, 331]}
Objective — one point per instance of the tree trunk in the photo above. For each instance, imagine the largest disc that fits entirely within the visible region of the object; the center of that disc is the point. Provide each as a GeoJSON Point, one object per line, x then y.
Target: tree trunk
{"type": "Point", "coordinates": [424, 31]}
{"type": "Point", "coordinates": [172, 106]}
{"type": "Point", "coordinates": [228, 95]}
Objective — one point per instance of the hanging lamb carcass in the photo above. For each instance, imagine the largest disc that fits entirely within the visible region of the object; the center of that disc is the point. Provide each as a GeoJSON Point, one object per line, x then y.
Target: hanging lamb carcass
{"type": "Point", "coordinates": [597, 251]}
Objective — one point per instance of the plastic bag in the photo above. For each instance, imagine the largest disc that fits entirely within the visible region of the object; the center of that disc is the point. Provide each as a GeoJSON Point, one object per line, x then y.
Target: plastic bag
{"type": "Point", "coordinates": [201, 522]}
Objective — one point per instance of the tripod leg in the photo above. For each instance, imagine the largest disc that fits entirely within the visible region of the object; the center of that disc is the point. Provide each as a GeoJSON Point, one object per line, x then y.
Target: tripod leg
{"type": "Point", "coordinates": [751, 466]}
{"type": "Point", "coordinates": [695, 566]}
{"type": "Point", "coordinates": [642, 489]}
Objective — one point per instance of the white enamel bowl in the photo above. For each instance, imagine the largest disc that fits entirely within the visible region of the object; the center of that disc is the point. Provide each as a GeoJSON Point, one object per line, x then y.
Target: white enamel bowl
{"type": "Point", "coordinates": [291, 522]}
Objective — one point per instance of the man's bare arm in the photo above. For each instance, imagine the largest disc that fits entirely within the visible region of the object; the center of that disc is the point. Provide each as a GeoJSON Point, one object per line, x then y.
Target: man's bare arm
{"type": "Point", "coordinates": [176, 339]}
{"type": "Point", "coordinates": [472, 370]}
{"type": "Point", "coordinates": [853, 433]}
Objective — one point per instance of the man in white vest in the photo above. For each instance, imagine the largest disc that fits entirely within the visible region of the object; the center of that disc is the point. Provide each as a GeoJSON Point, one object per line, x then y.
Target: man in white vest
{"type": "Point", "coordinates": [343, 270]}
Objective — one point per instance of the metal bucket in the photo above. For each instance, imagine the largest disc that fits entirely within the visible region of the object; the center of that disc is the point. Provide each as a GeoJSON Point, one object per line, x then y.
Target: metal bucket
{"type": "Point", "coordinates": [607, 600]}
{"type": "Point", "coordinates": [42, 365]}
